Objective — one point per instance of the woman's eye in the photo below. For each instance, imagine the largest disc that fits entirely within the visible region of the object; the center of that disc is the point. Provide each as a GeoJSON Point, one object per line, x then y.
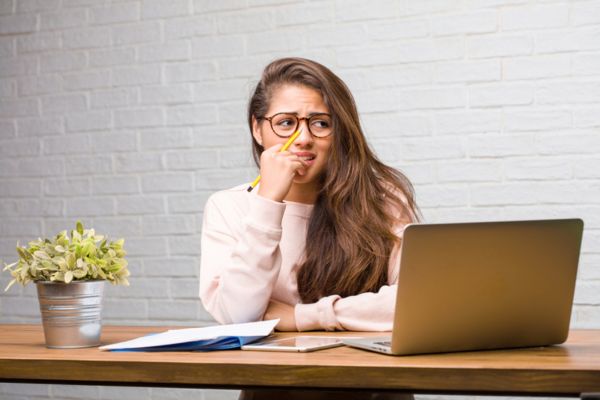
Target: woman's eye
{"type": "Point", "coordinates": [320, 124]}
{"type": "Point", "coordinates": [285, 123]}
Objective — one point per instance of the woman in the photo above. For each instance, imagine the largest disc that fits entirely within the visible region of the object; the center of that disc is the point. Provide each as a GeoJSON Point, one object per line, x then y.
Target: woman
{"type": "Point", "coordinates": [317, 242]}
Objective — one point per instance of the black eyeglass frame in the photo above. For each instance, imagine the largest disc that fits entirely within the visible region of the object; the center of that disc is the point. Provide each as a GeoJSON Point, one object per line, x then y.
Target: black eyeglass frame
{"type": "Point", "coordinates": [298, 120]}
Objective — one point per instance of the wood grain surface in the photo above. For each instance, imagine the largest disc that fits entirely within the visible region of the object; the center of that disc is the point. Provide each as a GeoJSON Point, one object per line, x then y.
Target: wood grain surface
{"type": "Point", "coordinates": [568, 369]}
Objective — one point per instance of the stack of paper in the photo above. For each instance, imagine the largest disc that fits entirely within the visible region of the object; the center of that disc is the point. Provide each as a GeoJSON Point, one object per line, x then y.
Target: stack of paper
{"type": "Point", "coordinates": [220, 337]}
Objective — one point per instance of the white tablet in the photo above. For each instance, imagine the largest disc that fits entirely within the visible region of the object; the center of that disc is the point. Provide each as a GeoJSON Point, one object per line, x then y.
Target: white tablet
{"type": "Point", "coordinates": [300, 344]}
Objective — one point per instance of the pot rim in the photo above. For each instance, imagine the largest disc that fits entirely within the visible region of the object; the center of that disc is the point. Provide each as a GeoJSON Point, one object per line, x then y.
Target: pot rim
{"type": "Point", "coordinates": [70, 283]}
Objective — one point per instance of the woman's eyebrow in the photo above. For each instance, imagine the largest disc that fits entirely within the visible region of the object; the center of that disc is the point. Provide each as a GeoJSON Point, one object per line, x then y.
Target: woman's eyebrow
{"type": "Point", "coordinates": [310, 114]}
{"type": "Point", "coordinates": [287, 112]}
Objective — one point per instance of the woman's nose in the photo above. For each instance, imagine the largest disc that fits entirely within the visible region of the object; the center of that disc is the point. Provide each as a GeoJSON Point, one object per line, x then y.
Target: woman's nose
{"type": "Point", "coordinates": [304, 136]}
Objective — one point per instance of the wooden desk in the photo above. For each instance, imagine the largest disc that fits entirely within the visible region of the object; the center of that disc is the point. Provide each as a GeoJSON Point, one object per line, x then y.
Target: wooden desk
{"type": "Point", "coordinates": [568, 369]}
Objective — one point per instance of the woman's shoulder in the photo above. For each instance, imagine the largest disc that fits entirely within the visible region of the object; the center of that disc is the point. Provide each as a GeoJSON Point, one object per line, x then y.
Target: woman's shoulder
{"type": "Point", "coordinates": [229, 200]}
{"type": "Point", "coordinates": [398, 204]}
{"type": "Point", "coordinates": [239, 192]}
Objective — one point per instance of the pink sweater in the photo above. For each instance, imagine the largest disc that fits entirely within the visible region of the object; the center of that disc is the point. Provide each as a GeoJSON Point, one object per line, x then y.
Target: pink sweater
{"type": "Point", "coordinates": [251, 247]}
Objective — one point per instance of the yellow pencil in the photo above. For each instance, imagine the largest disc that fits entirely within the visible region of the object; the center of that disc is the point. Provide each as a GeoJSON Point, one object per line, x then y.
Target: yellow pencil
{"type": "Point", "coordinates": [284, 148]}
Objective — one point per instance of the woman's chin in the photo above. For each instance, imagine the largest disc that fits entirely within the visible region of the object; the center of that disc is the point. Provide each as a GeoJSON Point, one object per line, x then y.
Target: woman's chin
{"type": "Point", "coordinates": [301, 172]}
{"type": "Point", "coordinates": [302, 177]}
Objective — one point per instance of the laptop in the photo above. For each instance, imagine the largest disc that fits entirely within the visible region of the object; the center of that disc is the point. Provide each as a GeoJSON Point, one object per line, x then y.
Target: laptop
{"type": "Point", "coordinates": [482, 286]}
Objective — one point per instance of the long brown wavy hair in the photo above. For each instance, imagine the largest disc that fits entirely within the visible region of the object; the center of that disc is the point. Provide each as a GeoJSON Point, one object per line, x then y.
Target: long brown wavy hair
{"type": "Point", "coordinates": [350, 233]}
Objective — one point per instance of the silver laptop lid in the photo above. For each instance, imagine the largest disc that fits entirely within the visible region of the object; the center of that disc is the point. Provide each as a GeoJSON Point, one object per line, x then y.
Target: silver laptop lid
{"type": "Point", "coordinates": [487, 285]}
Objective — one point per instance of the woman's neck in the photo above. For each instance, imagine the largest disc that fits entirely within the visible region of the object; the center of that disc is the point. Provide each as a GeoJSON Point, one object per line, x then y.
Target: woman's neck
{"type": "Point", "coordinates": [302, 193]}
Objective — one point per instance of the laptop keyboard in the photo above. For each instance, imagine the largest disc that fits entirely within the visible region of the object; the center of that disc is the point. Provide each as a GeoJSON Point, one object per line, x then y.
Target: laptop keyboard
{"type": "Point", "coordinates": [385, 343]}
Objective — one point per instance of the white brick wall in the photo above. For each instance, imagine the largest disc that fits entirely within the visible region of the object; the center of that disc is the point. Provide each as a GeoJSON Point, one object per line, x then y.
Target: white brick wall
{"type": "Point", "coordinates": [129, 114]}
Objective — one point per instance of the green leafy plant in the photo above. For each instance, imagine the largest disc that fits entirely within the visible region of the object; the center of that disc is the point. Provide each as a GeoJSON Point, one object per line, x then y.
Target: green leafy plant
{"type": "Point", "coordinates": [83, 256]}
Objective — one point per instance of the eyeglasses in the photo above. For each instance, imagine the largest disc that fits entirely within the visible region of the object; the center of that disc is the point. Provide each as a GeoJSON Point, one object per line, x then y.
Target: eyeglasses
{"type": "Point", "coordinates": [284, 124]}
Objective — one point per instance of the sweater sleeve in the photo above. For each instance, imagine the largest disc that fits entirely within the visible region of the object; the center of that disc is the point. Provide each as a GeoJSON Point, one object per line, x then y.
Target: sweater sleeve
{"type": "Point", "coordinates": [371, 311]}
{"type": "Point", "coordinates": [239, 263]}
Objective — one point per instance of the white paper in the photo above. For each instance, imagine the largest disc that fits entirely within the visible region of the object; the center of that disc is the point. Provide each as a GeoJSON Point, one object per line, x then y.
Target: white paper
{"type": "Point", "coordinates": [261, 328]}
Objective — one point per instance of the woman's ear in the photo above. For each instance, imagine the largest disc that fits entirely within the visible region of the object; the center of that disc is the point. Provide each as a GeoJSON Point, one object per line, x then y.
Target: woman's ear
{"type": "Point", "coordinates": [256, 131]}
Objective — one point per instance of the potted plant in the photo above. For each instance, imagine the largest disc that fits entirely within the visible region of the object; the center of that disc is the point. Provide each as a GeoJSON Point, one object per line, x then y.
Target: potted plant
{"type": "Point", "coordinates": [69, 274]}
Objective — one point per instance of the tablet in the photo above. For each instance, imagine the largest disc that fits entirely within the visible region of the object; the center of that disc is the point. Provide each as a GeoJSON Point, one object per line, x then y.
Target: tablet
{"type": "Point", "coordinates": [299, 344]}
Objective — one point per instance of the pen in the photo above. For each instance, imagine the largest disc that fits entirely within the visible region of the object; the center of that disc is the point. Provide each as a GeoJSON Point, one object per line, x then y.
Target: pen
{"type": "Point", "coordinates": [284, 148]}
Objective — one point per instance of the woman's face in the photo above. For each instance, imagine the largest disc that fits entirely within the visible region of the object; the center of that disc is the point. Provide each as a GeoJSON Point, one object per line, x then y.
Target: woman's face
{"type": "Point", "coordinates": [302, 101]}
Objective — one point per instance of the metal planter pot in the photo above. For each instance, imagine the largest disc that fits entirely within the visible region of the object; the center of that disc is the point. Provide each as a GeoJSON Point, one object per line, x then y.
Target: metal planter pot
{"type": "Point", "coordinates": [71, 313]}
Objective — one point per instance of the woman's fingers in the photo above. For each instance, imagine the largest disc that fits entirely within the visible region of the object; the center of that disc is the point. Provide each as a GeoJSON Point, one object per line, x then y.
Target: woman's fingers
{"type": "Point", "coordinates": [278, 169]}
{"type": "Point", "coordinates": [283, 157]}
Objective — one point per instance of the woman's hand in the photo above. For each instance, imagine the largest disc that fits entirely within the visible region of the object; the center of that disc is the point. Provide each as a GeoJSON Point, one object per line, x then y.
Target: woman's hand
{"type": "Point", "coordinates": [277, 171]}
{"type": "Point", "coordinates": [284, 312]}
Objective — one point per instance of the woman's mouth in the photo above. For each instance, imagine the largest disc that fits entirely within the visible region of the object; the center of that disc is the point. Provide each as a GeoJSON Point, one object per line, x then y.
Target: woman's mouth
{"type": "Point", "coordinates": [307, 157]}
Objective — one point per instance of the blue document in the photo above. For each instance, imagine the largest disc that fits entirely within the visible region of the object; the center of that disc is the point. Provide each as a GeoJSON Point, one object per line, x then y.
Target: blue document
{"type": "Point", "coordinates": [218, 337]}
